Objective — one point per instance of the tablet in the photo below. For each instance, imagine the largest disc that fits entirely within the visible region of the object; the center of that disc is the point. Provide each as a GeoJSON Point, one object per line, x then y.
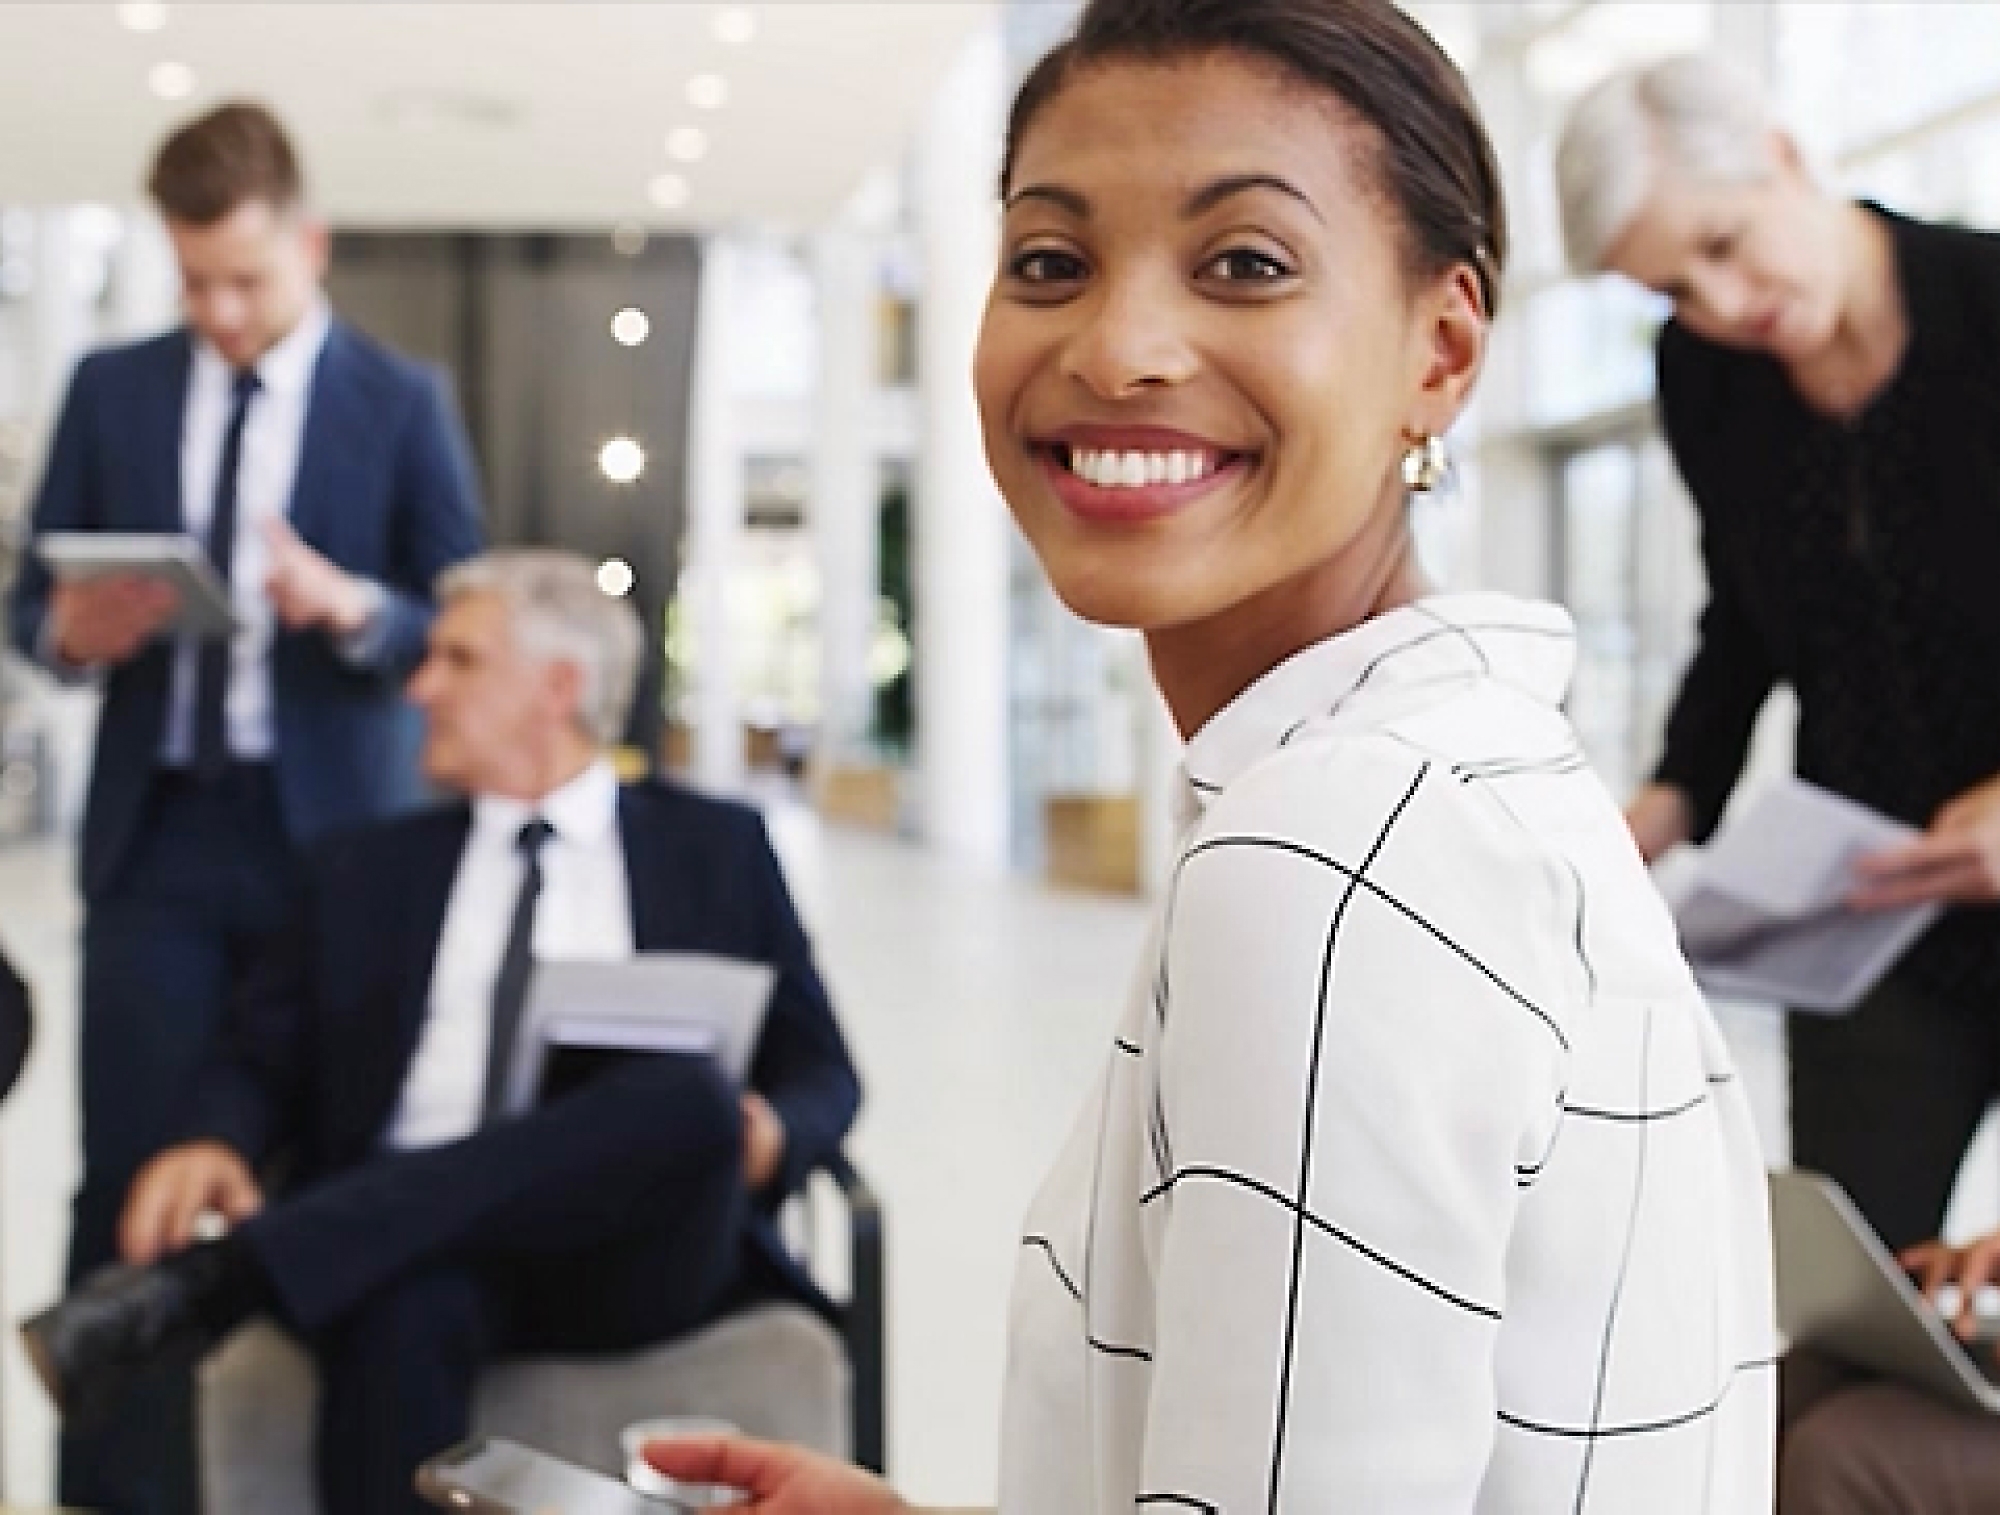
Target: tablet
{"type": "Point", "coordinates": [173, 558]}
{"type": "Point", "coordinates": [1841, 1293]}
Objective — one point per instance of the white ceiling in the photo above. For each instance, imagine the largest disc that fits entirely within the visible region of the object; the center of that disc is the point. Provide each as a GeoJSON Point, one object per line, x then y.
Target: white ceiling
{"type": "Point", "coordinates": [489, 115]}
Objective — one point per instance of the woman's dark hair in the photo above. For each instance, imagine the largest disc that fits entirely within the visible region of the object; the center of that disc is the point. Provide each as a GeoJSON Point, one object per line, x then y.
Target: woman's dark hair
{"type": "Point", "coordinates": [1436, 163]}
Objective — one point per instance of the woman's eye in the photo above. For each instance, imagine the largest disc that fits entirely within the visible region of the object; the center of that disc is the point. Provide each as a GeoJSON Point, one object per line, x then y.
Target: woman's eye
{"type": "Point", "coordinates": [1719, 245]}
{"type": "Point", "coordinates": [1043, 265]}
{"type": "Point", "coordinates": [1245, 265]}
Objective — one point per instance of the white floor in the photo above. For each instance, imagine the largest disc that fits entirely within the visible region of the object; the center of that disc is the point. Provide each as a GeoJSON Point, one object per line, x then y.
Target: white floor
{"type": "Point", "coordinates": [978, 1008]}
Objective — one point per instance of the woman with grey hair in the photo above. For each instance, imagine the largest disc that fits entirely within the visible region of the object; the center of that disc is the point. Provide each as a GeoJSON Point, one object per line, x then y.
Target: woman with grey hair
{"type": "Point", "coordinates": [1828, 386]}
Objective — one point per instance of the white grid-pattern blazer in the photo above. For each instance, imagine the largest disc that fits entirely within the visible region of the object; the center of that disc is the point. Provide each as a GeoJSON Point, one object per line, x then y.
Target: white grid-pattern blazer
{"type": "Point", "coordinates": [1418, 1181]}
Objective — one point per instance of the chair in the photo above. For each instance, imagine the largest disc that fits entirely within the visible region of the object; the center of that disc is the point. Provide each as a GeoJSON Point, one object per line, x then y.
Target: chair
{"type": "Point", "coordinates": [778, 1371]}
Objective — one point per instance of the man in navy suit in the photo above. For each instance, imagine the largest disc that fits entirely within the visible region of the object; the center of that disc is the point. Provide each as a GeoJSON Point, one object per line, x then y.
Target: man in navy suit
{"type": "Point", "coordinates": [328, 480]}
{"type": "Point", "coordinates": [427, 1230]}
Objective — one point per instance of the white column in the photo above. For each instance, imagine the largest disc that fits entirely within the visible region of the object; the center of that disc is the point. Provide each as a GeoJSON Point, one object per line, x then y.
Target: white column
{"type": "Point", "coordinates": [716, 511]}
{"type": "Point", "coordinates": [959, 522]}
{"type": "Point", "coordinates": [845, 486]}
{"type": "Point", "coordinates": [1747, 31]}
{"type": "Point", "coordinates": [58, 321]}
{"type": "Point", "coordinates": [145, 285]}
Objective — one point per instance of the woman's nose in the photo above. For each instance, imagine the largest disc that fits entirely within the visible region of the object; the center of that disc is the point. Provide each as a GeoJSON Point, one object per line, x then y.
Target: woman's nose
{"type": "Point", "coordinates": [1129, 339]}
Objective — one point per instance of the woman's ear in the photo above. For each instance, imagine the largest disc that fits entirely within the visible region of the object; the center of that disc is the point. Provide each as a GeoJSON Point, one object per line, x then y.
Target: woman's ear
{"type": "Point", "coordinates": [1455, 327]}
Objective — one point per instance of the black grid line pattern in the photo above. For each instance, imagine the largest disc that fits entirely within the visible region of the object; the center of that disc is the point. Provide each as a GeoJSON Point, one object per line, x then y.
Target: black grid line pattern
{"type": "Point", "coordinates": [1375, 975]}
{"type": "Point", "coordinates": [1409, 912]}
{"type": "Point", "coordinates": [1307, 1140]}
{"type": "Point", "coordinates": [1442, 629]}
{"type": "Point", "coordinates": [1321, 1224]}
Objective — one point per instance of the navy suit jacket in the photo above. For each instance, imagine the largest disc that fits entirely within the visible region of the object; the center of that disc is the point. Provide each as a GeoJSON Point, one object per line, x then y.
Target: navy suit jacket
{"type": "Point", "coordinates": [385, 489]}
{"type": "Point", "coordinates": [319, 1045]}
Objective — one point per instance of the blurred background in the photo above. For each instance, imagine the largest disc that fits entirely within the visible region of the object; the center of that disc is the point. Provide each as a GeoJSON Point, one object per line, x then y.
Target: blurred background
{"type": "Point", "coordinates": [705, 278]}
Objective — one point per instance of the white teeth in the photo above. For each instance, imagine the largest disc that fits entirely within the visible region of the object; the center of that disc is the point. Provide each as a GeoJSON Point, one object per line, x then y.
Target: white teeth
{"type": "Point", "coordinates": [1137, 470]}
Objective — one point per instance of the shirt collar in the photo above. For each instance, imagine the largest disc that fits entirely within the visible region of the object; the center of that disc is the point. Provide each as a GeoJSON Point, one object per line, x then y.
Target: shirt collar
{"type": "Point", "coordinates": [287, 369]}
{"type": "Point", "coordinates": [583, 811]}
{"type": "Point", "coordinates": [1438, 640]}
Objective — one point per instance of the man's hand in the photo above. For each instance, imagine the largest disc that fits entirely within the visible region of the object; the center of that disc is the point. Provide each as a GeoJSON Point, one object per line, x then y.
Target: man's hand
{"type": "Point", "coordinates": [307, 590]}
{"type": "Point", "coordinates": [775, 1479]}
{"type": "Point", "coordinates": [175, 1189]}
{"type": "Point", "coordinates": [1968, 1269]}
{"type": "Point", "coordinates": [763, 1140]}
{"type": "Point", "coordinates": [1661, 818]}
{"type": "Point", "coordinates": [107, 620]}
{"type": "Point", "coordinates": [1957, 861]}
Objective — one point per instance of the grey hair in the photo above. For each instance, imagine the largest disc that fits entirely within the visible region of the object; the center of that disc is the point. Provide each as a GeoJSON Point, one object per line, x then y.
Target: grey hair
{"type": "Point", "coordinates": [558, 614]}
{"type": "Point", "coordinates": [1696, 114]}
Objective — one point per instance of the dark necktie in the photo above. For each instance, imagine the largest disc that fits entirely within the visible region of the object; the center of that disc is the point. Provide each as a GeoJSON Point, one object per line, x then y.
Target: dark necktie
{"type": "Point", "coordinates": [211, 672]}
{"type": "Point", "coordinates": [510, 989]}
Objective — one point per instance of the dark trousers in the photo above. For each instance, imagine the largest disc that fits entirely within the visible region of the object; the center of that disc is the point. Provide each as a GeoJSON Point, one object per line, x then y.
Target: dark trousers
{"type": "Point", "coordinates": [1854, 1445]}
{"type": "Point", "coordinates": [204, 887]}
{"type": "Point", "coordinates": [1885, 1101]}
{"type": "Point", "coordinates": [614, 1218]}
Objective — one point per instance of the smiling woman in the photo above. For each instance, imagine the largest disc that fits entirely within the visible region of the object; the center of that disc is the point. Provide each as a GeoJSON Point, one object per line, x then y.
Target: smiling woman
{"type": "Point", "coordinates": [1418, 1179]}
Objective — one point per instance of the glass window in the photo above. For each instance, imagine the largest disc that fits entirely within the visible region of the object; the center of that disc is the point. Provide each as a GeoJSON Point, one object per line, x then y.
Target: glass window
{"type": "Point", "coordinates": [1850, 73]}
{"type": "Point", "coordinates": [1590, 347]}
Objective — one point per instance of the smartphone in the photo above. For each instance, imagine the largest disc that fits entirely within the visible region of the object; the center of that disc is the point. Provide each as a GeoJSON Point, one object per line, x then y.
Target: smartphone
{"type": "Point", "coordinates": [490, 1476]}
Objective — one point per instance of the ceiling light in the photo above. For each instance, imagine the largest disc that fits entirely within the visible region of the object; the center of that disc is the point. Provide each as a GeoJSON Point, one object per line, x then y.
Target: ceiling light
{"type": "Point", "coordinates": [622, 460]}
{"type": "Point", "coordinates": [143, 16]}
{"type": "Point", "coordinates": [736, 24]}
{"type": "Point", "coordinates": [687, 144]}
{"type": "Point", "coordinates": [630, 327]}
{"type": "Point", "coordinates": [629, 239]}
{"type": "Point", "coordinates": [615, 577]}
{"type": "Point", "coordinates": [708, 92]}
{"type": "Point", "coordinates": [171, 81]}
{"type": "Point", "coordinates": [669, 191]}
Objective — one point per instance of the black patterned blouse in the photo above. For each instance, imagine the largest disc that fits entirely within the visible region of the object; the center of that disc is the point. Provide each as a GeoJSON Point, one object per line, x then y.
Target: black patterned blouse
{"type": "Point", "coordinates": [1857, 561]}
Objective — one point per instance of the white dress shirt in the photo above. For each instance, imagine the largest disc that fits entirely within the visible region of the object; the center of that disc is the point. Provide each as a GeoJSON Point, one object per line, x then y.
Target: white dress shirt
{"type": "Point", "coordinates": [1419, 1181]}
{"type": "Point", "coordinates": [584, 912]}
{"type": "Point", "coordinates": [274, 432]}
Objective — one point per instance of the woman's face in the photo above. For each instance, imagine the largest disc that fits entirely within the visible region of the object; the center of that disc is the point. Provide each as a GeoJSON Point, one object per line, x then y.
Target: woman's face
{"type": "Point", "coordinates": [1752, 265]}
{"type": "Point", "coordinates": [1201, 355]}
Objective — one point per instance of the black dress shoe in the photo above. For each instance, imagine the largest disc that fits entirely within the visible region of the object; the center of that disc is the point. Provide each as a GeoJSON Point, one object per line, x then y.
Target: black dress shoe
{"type": "Point", "coordinates": [123, 1320]}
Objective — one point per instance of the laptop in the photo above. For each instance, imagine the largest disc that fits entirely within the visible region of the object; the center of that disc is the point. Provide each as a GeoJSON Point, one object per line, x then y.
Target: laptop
{"type": "Point", "coordinates": [1840, 1292]}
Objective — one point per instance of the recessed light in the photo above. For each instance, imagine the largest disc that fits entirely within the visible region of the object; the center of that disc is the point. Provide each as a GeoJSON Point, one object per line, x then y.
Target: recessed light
{"type": "Point", "coordinates": [621, 460]}
{"type": "Point", "coordinates": [736, 24]}
{"type": "Point", "coordinates": [171, 81]}
{"type": "Point", "coordinates": [143, 16]}
{"type": "Point", "coordinates": [615, 577]}
{"type": "Point", "coordinates": [708, 92]}
{"type": "Point", "coordinates": [687, 144]}
{"type": "Point", "coordinates": [630, 327]}
{"type": "Point", "coordinates": [669, 191]}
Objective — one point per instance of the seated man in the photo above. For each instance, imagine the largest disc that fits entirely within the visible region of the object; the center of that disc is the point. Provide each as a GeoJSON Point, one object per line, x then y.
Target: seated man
{"type": "Point", "coordinates": [1853, 1444]}
{"type": "Point", "coordinates": [424, 1235]}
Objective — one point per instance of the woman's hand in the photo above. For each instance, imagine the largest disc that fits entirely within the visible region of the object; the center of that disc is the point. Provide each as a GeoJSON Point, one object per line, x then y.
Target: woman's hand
{"type": "Point", "coordinates": [1661, 818]}
{"type": "Point", "coordinates": [1956, 862]}
{"type": "Point", "coordinates": [775, 1479]}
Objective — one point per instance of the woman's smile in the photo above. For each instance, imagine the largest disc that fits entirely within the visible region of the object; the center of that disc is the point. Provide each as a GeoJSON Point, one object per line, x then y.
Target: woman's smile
{"type": "Point", "coordinates": [1131, 474]}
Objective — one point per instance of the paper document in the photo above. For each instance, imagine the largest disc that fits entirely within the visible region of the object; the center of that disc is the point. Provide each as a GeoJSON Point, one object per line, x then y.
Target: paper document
{"type": "Point", "coordinates": [171, 558]}
{"type": "Point", "coordinates": [655, 1002]}
{"type": "Point", "coordinates": [1762, 914]}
